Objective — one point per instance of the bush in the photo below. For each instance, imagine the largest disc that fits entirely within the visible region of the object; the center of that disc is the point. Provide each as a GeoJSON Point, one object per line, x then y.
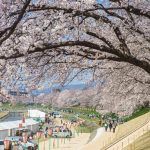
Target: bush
{"type": "Point", "coordinates": [146, 104]}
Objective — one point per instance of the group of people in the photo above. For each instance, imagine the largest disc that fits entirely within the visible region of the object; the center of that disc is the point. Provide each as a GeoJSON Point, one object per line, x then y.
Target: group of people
{"type": "Point", "coordinates": [111, 125]}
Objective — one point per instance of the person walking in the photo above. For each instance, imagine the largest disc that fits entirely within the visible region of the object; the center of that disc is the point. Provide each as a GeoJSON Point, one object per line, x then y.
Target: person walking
{"type": "Point", "coordinates": [61, 121]}
{"type": "Point", "coordinates": [110, 126]}
{"type": "Point", "coordinates": [114, 127]}
{"type": "Point", "coordinates": [106, 126]}
{"type": "Point", "coordinates": [48, 121]}
{"type": "Point", "coordinates": [46, 132]}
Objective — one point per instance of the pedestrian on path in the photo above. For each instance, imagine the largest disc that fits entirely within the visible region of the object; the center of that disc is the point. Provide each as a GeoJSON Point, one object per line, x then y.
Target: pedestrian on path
{"type": "Point", "coordinates": [61, 121]}
{"type": "Point", "coordinates": [114, 128]}
{"type": "Point", "coordinates": [100, 122]}
{"type": "Point", "coordinates": [106, 126]}
{"type": "Point", "coordinates": [46, 132]}
{"type": "Point", "coordinates": [110, 126]}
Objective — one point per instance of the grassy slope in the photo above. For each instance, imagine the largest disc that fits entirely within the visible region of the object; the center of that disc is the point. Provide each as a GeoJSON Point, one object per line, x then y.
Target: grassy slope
{"type": "Point", "coordinates": [84, 112]}
{"type": "Point", "coordinates": [2, 114]}
{"type": "Point", "coordinates": [90, 125]}
{"type": "Point", "coordinates": [23, 107]}
{"type": "Point", "coordinates": [137, 114]}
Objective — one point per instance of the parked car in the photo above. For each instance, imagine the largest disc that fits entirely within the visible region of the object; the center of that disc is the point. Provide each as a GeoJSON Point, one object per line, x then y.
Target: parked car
{"type": "Point", "coordinates": [1, 144]}
{"type": "Point", "coordinates": [62, 133]}
{"type": "Point", "coordinates": [57, 114]}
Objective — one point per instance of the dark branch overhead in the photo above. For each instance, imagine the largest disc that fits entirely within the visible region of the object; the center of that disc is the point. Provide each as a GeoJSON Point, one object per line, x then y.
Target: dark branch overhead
{"type": "Point", "coordinates": [9, 31]}
{"type": "Point", "coordinates": [54, 32]}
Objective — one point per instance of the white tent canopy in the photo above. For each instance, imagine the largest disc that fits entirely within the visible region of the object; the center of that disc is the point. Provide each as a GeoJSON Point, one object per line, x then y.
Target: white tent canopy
{"type": "Point", "coordinates": [36, 114]}
{"type": "Point", "coordinates": [15, 124]}
{"type": "Point", "coordinates": [9, 128]}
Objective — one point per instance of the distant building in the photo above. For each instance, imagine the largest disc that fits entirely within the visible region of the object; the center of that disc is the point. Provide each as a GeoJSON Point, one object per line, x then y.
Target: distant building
{"type": "Point", "coordinates": [17, 93]}
{"type": "Point", "coordinates": [82, 1]}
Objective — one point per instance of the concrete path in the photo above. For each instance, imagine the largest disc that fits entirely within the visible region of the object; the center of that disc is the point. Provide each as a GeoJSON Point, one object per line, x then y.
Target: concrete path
{"type": "Point", "coordinates": [102, 138]}
{"type": "Point", "coordinates": [99, 133]}
{"type": "Point", "coordinates": [74, 143]}
{"type": "Point", "coordinates": [99, 141]}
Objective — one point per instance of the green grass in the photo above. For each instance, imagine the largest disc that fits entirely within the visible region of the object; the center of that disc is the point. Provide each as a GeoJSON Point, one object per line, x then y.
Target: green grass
{"type": "Point", "coordinates": [137, 113]}
{"type": "Point", "coordinates": [85, 129]}
{"type": "Point", "coordinates": [23, 107]}
{"type": "Point", "coordinates": [88, 126]}
{"type": "Point", "coordinates": [85, 117]}
{"type": "Point", "coordinates": [142, 143]}
{"type": "Point", "coordinates": [84, 112]}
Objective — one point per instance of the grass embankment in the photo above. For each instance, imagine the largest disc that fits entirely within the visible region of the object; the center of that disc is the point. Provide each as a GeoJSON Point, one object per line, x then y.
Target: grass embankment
{"type": "Point", "coordinates": [87, 127]}
{"type": "Point", "coordinates": [137, 113]}
{"type": "Point", "coordinates": [91, 123]}
{"type": "Point", "coordinates": [84, 113]}
{"type": "Point", "coordinates": [23, 107]}
{"type": "Point", "coordinates": [142, 143]}
{"type": "Point", "coordinates": [129, 127]}
{"type": "Point", "coordinates": [3, 114]}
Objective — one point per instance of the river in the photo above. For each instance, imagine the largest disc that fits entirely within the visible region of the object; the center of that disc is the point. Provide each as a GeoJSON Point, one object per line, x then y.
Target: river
{"type": "Point", "coordinates": [13, 116]}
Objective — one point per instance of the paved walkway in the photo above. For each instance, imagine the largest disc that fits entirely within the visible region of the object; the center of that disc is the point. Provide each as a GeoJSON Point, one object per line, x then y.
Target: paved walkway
{"type": "Point", "coordinates": [99, 141]}
{"type": "Point", "coordinates": [74, 143]}
{"type": "Point", "coordinates": [102, 138]}
{"type": "Point", "coordinates": [100, 131]}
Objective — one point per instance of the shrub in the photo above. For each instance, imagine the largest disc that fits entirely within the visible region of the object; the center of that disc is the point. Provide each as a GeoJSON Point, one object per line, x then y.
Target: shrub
{"type": "Point", "coordinates": [146, 104]}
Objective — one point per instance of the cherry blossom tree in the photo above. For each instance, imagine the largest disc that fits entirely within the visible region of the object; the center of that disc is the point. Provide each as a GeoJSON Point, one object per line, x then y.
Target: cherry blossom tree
{"type": "Point", "coordinates": [59, 40]}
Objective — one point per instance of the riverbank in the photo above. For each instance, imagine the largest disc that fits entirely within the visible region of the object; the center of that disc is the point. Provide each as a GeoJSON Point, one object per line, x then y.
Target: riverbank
{"type": "Point", "coordinates": [4, 115]}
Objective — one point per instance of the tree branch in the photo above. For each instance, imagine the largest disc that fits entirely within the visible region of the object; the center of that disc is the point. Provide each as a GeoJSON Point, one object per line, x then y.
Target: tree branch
{"type": "Point", "coordinates": [13, 27]}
